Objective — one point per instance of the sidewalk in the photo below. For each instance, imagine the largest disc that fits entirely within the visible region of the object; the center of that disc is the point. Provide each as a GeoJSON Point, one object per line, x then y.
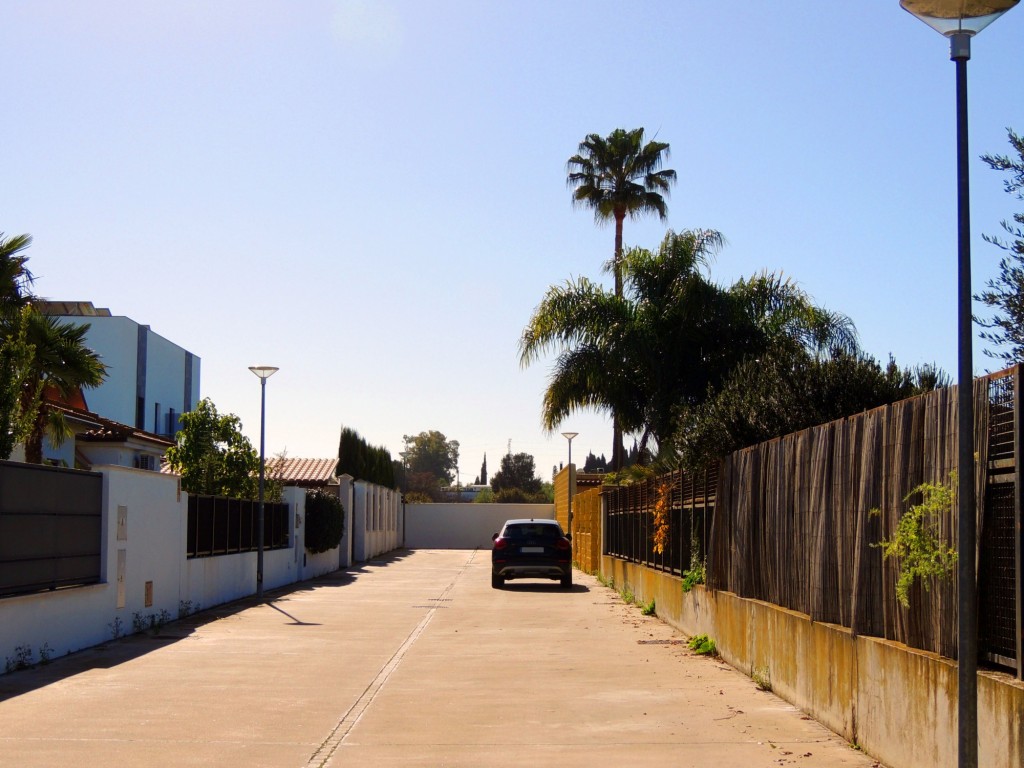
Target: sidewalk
{"type": "Point", "coordinates": [411, 660]}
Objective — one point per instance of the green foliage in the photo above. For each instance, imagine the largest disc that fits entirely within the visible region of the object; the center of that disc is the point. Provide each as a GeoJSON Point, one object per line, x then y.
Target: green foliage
{"type": "Point", "coordinates": [431, 453]}
{"type": "Point", "coordinates": [649, 608]}
{"type": "Point", "coordinates": [917, 543]}
{"type": "Point", "coordinates": [668, 344]}
{"type": "Point", "coordinates": [634, 473]}
{"type": "Point", "coordinates": [17, 413]}
{"type": "Point", "coordinates": [418, 497]}
{"type": "Point", "coordinates": [363, 461]}
{"type": "Point", "coordinates": [325, 521]}
{"type": "Point", "coordinates": [1005, 294]}
{"type": "Point", "coordinates": [485, 496]}
{"type": "Point", "coordinates": [517, 472]}
{"type": "Point", "coordinates": [693, 576]}
{"type": "Point", "coordinates": [619, 176]}
{"type": "Point", "coordinates": [703, 645]}
{"type": "Point", "coordinates": [787, 390]}
{"type": "Point", "coordinates": [518, 496]}
{"type": "Point", "coordinates": [62, 364]}
{"type": "Point", "coordinates": [212, 455]}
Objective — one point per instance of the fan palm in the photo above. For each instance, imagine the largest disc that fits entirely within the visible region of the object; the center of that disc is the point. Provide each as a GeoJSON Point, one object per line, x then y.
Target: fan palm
{"type": "Point", "coordinates": [61, 361]}
{"type": "Point", "coordinates": [14, 276]}
{"type": "Point", "coordinates": [619, 176]}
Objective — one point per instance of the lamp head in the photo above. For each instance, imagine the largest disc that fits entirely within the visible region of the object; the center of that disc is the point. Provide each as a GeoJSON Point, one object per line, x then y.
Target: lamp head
{"type": "Point", "coordinates": [569, 435]}
{"type": "Point", "coordinates": [951, 17]}
{"type": "Point", "coordinates": [264, 371]}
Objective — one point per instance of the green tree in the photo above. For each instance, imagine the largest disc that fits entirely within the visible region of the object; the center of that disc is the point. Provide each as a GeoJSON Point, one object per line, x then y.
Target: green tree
{"type": "Point", "coordinates": [1004, 295]}
{"type": "Point", "coordinates": [16, 415]}
{"type": "Point", "coordinates": [363, 461]}
{"type": "Point", "coordinates": [517, 471]}
{"type": "Point", "coordinates": [619, 176]}
{"type": "Point", "coordinates": [61, 364]}
{"type": "Point", "coordinates": [787, 391]}
{"type": "Point", "coordinates": [431, 453]}
{"type": "Point", "coordinates": [40, 356]}
{"type": "Point", "coordinates": [672, 339]}
{"type": "Point", "coordinates": [212, 455]}
{"type": "Point", "coordinates": [15, 278]}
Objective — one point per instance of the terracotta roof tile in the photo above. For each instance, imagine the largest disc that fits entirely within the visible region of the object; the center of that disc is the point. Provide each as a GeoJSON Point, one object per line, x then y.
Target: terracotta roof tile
{"type": "Point", "coordinates": [303, 472]}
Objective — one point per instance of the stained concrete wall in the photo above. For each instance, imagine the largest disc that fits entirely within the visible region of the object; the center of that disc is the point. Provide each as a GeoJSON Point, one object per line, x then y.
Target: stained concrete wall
{"type": "Point", "coordinates": [897, 703]}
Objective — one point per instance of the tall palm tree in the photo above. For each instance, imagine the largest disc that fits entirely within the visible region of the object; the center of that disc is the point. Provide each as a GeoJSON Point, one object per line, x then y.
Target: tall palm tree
{"type": "Point", "coordinates": [619, 176]}
{"type": "Point", "coordinates": [61, 361]}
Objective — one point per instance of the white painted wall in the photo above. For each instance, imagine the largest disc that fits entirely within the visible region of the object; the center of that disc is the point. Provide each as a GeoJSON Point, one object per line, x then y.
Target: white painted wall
{"type": "Point", "coordinates": [463, 526]}
{"type": "Point", "coordinates": [153, 547]}
{"type": "Point", "coordinates": [346, 492]}
{"type": "Point", "coordinates": [377, 520]}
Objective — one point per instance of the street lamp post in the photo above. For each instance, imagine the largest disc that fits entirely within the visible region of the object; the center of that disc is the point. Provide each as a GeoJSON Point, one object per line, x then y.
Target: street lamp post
{"type": "Point", "coordinates": [569, 436]}
{"type": "Point", "coordinates": [960, 20]}
{"type": "Point", "coordinates": [264, 372]}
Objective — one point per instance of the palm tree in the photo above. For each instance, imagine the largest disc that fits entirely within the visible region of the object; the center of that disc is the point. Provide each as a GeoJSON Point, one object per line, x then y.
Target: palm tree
{"type": "Point", "coordinates": [673, 339]}
{"type": "Point", "coordinates": [620, 176]}
{"type": "Point", "coordinates": [61, 361]}
{"type": "Point", "coordinates": [14, 276]}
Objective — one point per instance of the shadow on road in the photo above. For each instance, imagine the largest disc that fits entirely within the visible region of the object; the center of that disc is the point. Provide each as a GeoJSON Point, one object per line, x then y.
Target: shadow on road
{"type": "Point", "coordinates": [124, 649]}
{"type": "Point", "coordinates": [540, 586]}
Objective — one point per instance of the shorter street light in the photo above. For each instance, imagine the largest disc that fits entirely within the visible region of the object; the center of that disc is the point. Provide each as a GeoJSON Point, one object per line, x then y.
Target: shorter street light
{"type": "Point", "coordinates": [264, 372]}
{"type": "Point", "coordinates": [569, 436]}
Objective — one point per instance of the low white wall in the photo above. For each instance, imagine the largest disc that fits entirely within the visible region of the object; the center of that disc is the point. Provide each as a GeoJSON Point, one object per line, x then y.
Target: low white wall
{"type": "Point", "coordinates": [463, 526]}
{"type": "Point", "coordinates": [152, 545]}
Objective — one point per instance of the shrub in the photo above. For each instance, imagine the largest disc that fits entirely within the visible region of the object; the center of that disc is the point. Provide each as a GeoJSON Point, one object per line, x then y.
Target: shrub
{"type": "Point", "coordinates": [325, 521]}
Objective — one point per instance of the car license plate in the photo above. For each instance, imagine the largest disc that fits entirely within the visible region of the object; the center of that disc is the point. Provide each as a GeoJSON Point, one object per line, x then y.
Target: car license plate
{"type": "Point", "coordinates": [532, 550]}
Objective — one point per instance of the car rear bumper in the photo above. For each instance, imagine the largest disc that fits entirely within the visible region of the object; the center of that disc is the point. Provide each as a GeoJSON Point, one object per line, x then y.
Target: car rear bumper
{"type": "Point", "coordinates": [532, 570]}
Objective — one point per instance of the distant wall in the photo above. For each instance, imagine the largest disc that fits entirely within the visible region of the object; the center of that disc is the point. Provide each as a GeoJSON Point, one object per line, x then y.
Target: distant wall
{"type": "Point", "coordinates": [463, 526]}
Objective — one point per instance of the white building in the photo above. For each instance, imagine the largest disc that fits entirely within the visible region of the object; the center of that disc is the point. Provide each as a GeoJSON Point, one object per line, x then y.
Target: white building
{"type": "Point", "coordinates": [150, 381]}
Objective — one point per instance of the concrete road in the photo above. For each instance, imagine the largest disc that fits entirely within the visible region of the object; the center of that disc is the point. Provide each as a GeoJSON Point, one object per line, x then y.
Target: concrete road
{"type": "Point", "coordinates": [412, 660]}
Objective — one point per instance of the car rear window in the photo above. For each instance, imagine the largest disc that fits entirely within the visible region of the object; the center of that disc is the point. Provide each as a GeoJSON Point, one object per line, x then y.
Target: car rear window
{"type": "Point", "coordinates": [531, 531]}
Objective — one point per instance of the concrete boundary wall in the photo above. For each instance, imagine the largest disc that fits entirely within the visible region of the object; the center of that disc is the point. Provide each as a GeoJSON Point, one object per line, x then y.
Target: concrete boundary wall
{"type": "Point", "coordinates": [897, 703]}
{"type": "Point", "coordinates": [143, 560]}
{"type": "Point", "coordinates": [463, 526]}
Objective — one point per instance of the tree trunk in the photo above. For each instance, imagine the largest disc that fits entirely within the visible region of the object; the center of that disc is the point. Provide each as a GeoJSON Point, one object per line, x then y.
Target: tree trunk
{"type": "Point", "coordinates": [617, 263]}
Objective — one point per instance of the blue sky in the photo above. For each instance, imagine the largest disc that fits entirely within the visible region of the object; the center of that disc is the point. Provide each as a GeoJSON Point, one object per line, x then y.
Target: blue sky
{"type": "Point", "coordinates": [371, 194]}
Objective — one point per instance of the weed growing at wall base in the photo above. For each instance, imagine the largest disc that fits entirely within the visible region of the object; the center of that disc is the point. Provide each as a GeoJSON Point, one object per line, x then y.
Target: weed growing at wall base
{"type": "Point", "coordinates": [703, 645]}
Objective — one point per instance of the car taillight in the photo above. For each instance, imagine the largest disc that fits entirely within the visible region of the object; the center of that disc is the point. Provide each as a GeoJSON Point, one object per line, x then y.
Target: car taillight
{"type": "Point", "coordinates": [563, 544]}
{"type": "Point", "coordinates": [500, 543]}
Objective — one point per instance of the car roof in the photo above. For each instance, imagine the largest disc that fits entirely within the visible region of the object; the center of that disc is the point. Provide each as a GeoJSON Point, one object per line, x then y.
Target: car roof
{"type": "Point", "coordinates": [543, 521]}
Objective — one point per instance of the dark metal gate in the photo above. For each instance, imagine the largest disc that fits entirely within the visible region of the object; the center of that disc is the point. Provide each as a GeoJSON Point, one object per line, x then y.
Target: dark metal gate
{"type": "Point", "coordinates": [1000, 621]}
{"type": "Point", "coordinates": [51, 524]}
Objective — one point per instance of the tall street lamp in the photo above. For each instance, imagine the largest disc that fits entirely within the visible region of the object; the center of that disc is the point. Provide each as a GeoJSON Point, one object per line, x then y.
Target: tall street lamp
{"type": "Point", "coordinates": [264, 372]}
{"type": "Point", "coordinates": [569, 436]}
{"type": "Point", "coordinates": [960, 20]}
